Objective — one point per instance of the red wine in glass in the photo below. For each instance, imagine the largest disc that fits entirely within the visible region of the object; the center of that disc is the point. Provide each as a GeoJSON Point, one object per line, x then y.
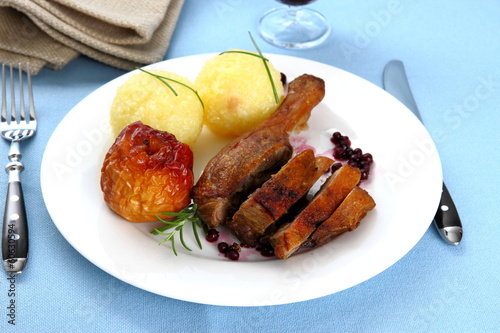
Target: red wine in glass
{"type": "Point", "coordinates": [296, 2]}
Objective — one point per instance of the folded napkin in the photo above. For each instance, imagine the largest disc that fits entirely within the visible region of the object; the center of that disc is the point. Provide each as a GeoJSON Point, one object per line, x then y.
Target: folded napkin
{"type": "Point", "coordinates": [120, 33]}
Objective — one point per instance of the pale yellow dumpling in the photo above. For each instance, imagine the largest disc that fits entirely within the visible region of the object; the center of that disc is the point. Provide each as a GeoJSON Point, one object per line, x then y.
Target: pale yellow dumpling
{"type": "Point", "coordinates": [237, 92]}
{"type": "Point", "coordinates": [144, 97]}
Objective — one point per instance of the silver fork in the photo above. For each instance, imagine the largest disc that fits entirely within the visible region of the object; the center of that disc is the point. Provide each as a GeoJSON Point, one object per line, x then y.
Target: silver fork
{"type": "Point", "coordinates": [15, 127]}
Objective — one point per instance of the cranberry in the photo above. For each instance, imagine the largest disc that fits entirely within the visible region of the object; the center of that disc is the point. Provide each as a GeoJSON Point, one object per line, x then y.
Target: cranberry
{"type": "Point", "coordinates": [364, 166]}
{"type": "Point", "coordinates": [368, 157]}
{"type": "Point", "coordinates": [222, 246]}
{"type": "Point", "coordinates": [354, 157]}
{"type": "Point", "coordinates": [347, 153]}
{"type": "Point", "coordinates": [265, 250]}
{"type": "Point", "coordinates": [336, 166]}
{"type": "Point", "coordinates": [336, 138]}
{"type": "Point", "coordinates": [346, 141]}
{"type": "Point", "coordinates": [353, 163]}
{"type": "Point", "coordinates": [212, 235]}
{"type": "Point", "coordinates": [268, 252]}
{"type": "Point", "coordinates": [232, 254]}
{"type": "Point", "coordinates": [338, 153]}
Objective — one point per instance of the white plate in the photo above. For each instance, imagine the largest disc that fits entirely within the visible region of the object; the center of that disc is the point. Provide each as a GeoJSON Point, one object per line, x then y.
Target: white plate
{"type": "Point", "coordinates": [406, 185]}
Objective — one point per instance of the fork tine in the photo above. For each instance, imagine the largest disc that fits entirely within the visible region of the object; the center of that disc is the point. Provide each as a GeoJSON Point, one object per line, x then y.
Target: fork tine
{"type": "Point", "coordinates": [22, 113]}
{"type": "Point", "coordinates": [4, 96]}
{"type": "Point", "coordinates": [12, 96]}
{"type": "Point", "coordinates": [30, 92]}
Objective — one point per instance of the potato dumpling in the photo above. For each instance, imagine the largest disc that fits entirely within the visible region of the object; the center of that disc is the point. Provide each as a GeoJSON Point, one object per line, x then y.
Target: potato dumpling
{"type": "Point", "coordinates": [237, 92]}
{"type": "Point", "coordinates": [145, 98]}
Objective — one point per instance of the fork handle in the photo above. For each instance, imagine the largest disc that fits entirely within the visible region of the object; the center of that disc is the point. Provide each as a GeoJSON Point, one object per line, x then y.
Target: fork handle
{"type": "Point", "coordinates": [15, 228]}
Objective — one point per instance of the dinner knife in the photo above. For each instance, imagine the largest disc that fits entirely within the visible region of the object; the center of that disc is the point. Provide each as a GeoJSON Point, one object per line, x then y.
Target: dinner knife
{"type": "Point", "coordinates": [446, 220]}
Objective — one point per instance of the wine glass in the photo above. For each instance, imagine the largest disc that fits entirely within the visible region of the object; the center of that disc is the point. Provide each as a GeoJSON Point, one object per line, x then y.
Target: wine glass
{"type": "Point", "coordinates": [294, 26]}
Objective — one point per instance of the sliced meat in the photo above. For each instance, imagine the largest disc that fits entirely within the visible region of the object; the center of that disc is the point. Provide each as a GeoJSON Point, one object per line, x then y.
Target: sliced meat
{"type": "Point", "coordinates": [249, 160]}
{"type": "Point", "coordinates": [276, 196]}
{"type": "Point", "coordinates": [345, 218]}
{"type": "Point", "coordinates": [225, 184]}
{"type": "Point", "coordinates": [291, 235]}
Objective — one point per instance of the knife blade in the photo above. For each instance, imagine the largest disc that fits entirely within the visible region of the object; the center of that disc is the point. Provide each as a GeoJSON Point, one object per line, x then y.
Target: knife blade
{"type": "Point", "coordinates": [446, 220]}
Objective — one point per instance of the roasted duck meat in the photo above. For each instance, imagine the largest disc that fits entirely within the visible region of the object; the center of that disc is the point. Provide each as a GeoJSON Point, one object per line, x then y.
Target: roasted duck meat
{"type": "Point", "coordinates": [345, 218]}
{"type": "Point", "coordinates": [276, 196]}
{"type": "Point", "coordinates": [249, 160]}
{"type": "Point", "coordinates": [331, 194]}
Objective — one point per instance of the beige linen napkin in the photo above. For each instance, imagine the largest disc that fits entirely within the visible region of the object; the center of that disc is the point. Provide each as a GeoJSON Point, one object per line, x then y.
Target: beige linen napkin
{"type": "Point", "coordinates": [120, 33]}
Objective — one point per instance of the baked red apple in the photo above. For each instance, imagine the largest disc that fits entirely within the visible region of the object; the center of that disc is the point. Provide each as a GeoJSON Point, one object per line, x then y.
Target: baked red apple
{"type": "Point", "coordinates": [146, 172]}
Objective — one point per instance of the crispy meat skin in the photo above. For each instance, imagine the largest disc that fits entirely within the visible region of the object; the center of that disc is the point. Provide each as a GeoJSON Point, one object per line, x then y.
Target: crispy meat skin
{"type": "Point", "coordinates": [275, 197]}
{"type": "Point", "coordinates": [345, 218]}
{"type": "Point", "coordinates": [249, 160]}
{"type": "Point", "coordinates": [291, 235]}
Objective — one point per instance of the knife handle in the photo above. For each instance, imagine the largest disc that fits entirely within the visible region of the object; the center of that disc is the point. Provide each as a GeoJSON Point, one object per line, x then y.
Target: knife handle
{"type": "Point", "coordinates": [15, 230]}
{"type": "Point", "coordinates": [447, 219]}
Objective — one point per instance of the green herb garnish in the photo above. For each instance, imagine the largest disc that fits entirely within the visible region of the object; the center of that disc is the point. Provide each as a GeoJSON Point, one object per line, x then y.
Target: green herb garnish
{"type": "Point", "coordinates": [165, 80]}
{"type": "Point", "coordinates": [186, 215]}
{"type": "Point", "coordinates": [264, 60]}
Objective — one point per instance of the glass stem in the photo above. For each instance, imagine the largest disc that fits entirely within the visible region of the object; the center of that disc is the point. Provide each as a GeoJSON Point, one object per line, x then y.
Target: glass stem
{"type": "Point", "coordinates": [292, 12]}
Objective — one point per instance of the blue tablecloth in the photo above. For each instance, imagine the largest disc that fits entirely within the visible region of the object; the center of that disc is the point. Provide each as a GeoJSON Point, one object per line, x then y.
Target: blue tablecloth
{"type": "Point", "coordinates": [451, 50]}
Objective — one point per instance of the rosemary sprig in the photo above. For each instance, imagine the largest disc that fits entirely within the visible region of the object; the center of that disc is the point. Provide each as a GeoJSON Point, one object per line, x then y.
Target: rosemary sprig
{"type": "Point", "coordinates": [186, 215]}
{"type": "Point", "coordinates": [165, 80]}
{"type": "Point", "coordinates": [264, 60]}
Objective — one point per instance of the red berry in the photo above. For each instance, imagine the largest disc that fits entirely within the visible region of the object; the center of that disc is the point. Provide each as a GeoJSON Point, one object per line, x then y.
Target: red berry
{"type": "Point", "coordinates": [233, 254]}
{"type": "Point", "coordinates": [336, 166]}
{"type": "Point", "coordinates": [222, 246]}
{"type": "Point", "coordinates": [212, 236]}
{"type": "Point", "coordinates": [354, 157]}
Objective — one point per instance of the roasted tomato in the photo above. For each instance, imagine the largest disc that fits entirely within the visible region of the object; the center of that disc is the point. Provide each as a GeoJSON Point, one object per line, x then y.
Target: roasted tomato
{"type": "Point", "coordinates": [146, 172]}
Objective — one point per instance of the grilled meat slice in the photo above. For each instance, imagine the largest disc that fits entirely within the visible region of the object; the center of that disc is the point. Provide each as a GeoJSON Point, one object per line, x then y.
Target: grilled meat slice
{"type": "Point", "coordinates": [224, 185]}
{"type": "Point", "coordinates": [291, 235]}
{"type": "Point", "coordinates": [246, 162]}
{"type": "Point", "coordinates": [275, 197]}
{"type": "Point", "coordinates": [345, 218]}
